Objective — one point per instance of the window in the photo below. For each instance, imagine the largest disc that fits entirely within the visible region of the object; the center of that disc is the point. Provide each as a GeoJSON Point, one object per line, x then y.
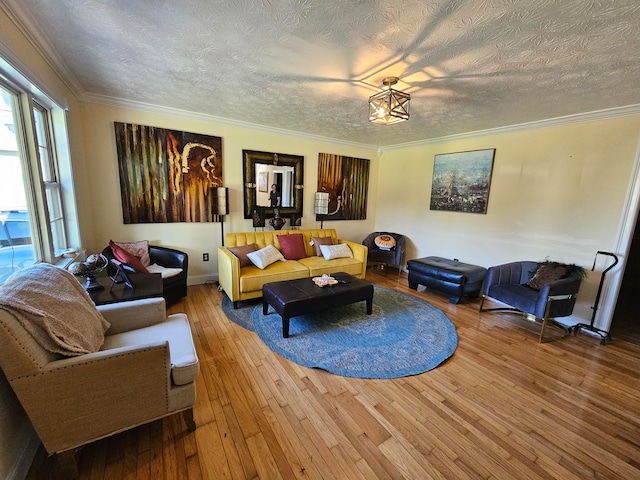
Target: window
{"type": "Point", "coordinates": [35, 197]}
{"type": "Point", "coordinates": [48, 168]}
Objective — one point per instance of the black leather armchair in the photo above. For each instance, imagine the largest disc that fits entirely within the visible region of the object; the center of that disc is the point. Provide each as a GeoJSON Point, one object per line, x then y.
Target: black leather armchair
{"type": "Point", "coordinates": [174, 288]}
{"type": "Point", "coordinates": [507, 284]}
{"type": "Point", "coordinates": [392, 257]}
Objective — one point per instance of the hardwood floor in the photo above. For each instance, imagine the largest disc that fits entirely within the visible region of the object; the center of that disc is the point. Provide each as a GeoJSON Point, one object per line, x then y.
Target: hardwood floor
{"type": "Point", "coordinates": [502, 407]}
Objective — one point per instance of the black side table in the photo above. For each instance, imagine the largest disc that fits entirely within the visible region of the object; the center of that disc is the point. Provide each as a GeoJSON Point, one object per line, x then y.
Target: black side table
{"type": "Point", "coordinates": [145, 285]}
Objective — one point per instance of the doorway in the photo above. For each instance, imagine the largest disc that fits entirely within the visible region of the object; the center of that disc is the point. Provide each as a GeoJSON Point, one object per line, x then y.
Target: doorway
{"type": "Point", "coordinates": [625, 324]}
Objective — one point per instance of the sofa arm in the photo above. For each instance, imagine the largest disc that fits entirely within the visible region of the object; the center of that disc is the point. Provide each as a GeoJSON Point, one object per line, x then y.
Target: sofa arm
{"type": "Point", "coordinates": [359, 253]}
{"type": "Point", "coordinates": [229, 273]}
{"type": "Point", "coordinates": [106, 391]}
{"type": "Point", "coordinates": [562, 294]}
{"type": "Point", "coordinates": [126, 316]}
{"type": "Point", "coordinates": [169, 257]}
{"type": "Point", "coordinates": [564, 286]}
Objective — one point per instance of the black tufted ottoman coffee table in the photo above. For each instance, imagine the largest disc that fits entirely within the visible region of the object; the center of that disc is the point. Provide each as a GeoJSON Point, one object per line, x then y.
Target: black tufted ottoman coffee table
{"type": "Point", "coordinates": [291, 298]}
{"type": "Point", "coordinates": [451, 277]}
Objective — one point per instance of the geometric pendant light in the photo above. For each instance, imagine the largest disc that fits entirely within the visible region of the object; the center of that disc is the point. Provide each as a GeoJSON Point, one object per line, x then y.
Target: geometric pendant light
{"type": "Point", "coordinates": [389, 106]}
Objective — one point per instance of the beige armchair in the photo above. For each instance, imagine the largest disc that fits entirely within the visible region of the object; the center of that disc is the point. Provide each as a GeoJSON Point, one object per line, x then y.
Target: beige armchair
{"type": "Point", "coordinates": [145, 370]}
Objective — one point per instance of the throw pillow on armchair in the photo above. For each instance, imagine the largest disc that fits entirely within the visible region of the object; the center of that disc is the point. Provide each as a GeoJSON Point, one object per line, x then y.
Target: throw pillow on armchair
{"type": "Point", "coordinates": [124, 256]}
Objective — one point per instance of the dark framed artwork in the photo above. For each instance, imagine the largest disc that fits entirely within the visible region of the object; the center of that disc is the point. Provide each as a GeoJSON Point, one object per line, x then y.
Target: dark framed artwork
{"type": "Point", "coordinates": [167, 175]}
{"type": "Point", "coordinates": [288, 175]}
{"type": "Point", "coordinates": [461, 181]}
{"type": "Point", "coordinates": [346, 180]}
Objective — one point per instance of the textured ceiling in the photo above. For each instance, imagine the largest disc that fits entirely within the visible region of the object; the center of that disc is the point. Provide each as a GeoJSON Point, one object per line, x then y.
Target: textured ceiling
{"type": "Point", "coordinates": [310, 65]}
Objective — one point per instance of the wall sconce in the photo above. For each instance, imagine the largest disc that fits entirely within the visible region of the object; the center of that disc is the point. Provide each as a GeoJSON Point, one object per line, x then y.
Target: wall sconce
{"type": "Point", "coordinates": [220, 205]}
{"type": "Point", "coordinates": [321, 206]}
{"type": "Point", "coordinates": [389, 106]}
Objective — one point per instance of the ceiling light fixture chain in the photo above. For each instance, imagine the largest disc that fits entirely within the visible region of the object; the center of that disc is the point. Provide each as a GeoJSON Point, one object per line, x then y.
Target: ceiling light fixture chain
{"type": "Point", "coordinates": [389, 106]}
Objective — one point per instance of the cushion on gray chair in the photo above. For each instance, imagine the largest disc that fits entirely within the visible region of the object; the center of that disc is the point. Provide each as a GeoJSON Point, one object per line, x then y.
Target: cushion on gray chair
{"type": "Point", "coordinates": [388, 256]}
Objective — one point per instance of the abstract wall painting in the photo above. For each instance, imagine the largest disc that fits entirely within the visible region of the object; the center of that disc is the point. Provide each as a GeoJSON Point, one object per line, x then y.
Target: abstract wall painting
{"type": "Point", "coordinates": [166, 175]}
{"type": "Point", "coordinates": [346, 179]}
{"type": "Point", "coordinates": [461, 181]}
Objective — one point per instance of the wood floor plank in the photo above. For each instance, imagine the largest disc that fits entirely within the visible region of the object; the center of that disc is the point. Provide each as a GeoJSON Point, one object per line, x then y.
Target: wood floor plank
{"type": "Point", "coordinates": [212, 459]}
{"type": "Point", "coordinates": [265, 463]}
{"type": "Point", "coordinates": [301, 460]}
{"type": "Point", "coordinates": [502, 407]}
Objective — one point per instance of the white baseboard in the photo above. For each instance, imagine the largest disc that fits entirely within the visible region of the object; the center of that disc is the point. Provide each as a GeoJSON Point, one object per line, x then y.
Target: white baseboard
{"type": "Point", "coordinates": [201, 279]}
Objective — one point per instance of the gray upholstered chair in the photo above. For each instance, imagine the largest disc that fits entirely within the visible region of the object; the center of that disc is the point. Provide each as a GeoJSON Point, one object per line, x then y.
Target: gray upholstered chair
{"type": "Point", "coordinates": [384, 255]}
{"type": "Point", "coordinates": [511, 284]}
{"type": "Point", "coordinates": [145, 368]}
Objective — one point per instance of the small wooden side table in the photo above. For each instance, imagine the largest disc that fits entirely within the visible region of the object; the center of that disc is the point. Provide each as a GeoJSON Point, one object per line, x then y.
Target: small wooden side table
{"type": "Point", "coordinates": [145, 285]}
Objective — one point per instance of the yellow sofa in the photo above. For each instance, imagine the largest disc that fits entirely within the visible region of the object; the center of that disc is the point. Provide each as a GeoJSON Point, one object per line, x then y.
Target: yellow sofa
{"type": "Point", "coordinates": [246, 282]}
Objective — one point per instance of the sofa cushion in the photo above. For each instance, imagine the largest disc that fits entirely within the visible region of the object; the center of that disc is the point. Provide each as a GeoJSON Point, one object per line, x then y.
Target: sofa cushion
{"type": "Point", "coordinates": [520, 297]}
{"type": "Point", "coordinates": [317, 242]}
{"type": "Point", "coordinates": [252, 278]}
{"type": "Point", "coordinates": [126, 257]}
{"type": "Point", "coordinates": [165, 272]}
{"type": "Point", "coordinates": [176, 331]}
{"type": "Point", "coordinates": [318, 266]}
{"type": "Point", "coordinates": [241, 253]}
{"type": "Point", "coordinates": [341, 250]}
{"type": "Point", "coordinates": [292, 246]}
{"type": "Point", "coordinates": [265, 256]}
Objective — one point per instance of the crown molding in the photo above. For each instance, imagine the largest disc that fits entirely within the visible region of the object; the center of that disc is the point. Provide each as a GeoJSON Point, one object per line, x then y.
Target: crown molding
{"type": "Point", "coordinates": [203, 117]}
{"type": "Point", "coordinates": [605, 114]}
{"type": "Point", "coordinates": [16, 71]}
{"type": "Point", "coordinates": [596, 115]}
{"type": "Point", "coordinates": [28, 26]}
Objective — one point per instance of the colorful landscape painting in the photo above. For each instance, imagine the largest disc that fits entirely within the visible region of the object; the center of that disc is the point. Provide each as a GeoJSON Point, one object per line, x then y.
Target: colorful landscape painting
{"type": "Point", "coordinates": [461, 181]}
{"type": "Point", "coordinates": [167, 175]}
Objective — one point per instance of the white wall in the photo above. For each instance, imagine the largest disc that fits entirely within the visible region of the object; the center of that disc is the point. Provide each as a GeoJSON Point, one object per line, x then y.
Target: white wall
{"type": "Point", "coordinates": [556, 193]}
{"type": "Point", "coordinates": [198, 238]}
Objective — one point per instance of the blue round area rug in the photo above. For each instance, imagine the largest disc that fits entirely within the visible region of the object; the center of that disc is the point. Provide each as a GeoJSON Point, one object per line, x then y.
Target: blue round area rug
{"type": "Point", "coordinates": [403, 336]}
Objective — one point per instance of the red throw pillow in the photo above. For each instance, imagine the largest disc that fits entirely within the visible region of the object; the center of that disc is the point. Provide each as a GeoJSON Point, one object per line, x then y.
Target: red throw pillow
{"type": "Point", "coordinates": [292, 246]}
{"type": "Point", "coordinates": [137, 249]}
{"type": "Point", "coordinates": [126, 257]}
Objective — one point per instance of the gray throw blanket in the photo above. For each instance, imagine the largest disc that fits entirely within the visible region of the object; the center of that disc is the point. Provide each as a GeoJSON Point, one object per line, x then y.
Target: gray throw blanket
{"type": "Point", "coordinates": [53, 307]}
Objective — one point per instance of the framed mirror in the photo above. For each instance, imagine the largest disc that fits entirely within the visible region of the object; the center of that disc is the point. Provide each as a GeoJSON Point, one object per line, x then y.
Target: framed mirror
{"type": "Point", "coordinates": [272, 180]}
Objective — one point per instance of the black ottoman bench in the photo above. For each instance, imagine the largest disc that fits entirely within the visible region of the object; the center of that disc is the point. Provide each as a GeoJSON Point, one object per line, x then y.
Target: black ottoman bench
{"type": "Point", "coordinates": [291, 298]}
{"type": "Point", "coordinates": [450, 277]}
